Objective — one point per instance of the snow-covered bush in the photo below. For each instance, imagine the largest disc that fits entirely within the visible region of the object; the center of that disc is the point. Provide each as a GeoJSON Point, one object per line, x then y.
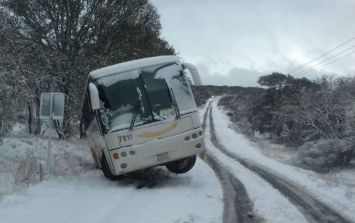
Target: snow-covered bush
{"type": "Point", "coordinates": [23, 161]}
{"type": "Point", "coordinates": [28, 170]}
{"type": "Point", "coordinates": [324, 155]}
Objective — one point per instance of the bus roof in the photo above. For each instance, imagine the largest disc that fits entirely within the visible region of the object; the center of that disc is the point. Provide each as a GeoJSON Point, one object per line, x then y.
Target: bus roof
{"type": "Point", "coordinates": [130, 65]}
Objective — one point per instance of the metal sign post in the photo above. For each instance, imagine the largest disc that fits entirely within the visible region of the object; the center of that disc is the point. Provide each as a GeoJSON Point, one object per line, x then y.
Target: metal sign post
{"type": "Point", "coordinates": [52, 108]}
{"type": "Point", "coordinates": [50, 134]}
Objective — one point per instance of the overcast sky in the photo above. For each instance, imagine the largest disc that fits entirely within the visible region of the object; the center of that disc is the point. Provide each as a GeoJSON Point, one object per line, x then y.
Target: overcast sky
{"type": "Point", "coordinates": [233, 42]}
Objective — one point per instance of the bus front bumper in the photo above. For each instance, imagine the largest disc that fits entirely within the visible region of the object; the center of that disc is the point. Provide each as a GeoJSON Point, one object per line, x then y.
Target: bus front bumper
{"type": "Point", "coordinates": [157, 152]}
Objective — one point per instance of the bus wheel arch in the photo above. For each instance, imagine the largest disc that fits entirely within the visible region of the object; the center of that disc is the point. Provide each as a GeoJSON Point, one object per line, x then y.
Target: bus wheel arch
{"type": "Point", "coordinates": [182, 165]}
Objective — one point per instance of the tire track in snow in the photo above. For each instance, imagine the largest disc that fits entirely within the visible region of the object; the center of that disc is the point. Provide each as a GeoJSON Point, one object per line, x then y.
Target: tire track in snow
{"type": "Point", "coordinates": [313, 209]}
{"type": "Point", "coordinates": [238, 208]}
{"type": "Point", "coordinates": [205, 115]}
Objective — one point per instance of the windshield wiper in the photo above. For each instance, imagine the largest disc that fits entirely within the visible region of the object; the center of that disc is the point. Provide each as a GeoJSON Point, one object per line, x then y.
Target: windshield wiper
{"type": "Point", "coordinates": [176, 108]}
{"type": "Point", "coordinates": [149, 105]}
{"type": "Point", "coordinates": [136, 109]}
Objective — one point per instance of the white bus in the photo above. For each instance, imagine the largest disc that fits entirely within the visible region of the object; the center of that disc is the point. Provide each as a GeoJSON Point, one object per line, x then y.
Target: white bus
{"type": "Point", "coordinates": [142, 113]}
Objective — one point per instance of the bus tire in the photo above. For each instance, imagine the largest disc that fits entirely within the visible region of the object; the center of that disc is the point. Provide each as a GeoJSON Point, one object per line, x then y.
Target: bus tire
{"type": "Point", "coordinates": [182, 165]}
{"type": "Point", "coordinates": [106, 168]}
{"type": "Point", "coordinates": [95, 158]}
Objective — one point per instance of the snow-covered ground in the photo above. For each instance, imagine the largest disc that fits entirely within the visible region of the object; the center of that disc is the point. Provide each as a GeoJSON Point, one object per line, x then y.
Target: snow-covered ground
{"type": "Point", "coordinates": [269, 204]}
{"type": "Point", "coordinates": [21, 156]}
{"type": "Point", "coordinates": [338, 195]}
{"type": "Point", "coordinates": [275, 151]}
{"type": "Point", "coordinates": [77, 192]}
{"type": "Point", "coordinates": [89, 197]}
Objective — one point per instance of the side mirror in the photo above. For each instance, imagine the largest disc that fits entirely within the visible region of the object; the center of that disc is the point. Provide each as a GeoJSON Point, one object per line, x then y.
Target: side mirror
{"type": "Point", "coordinates": [94, 97]}
{"type": "Point", "coordinates": [194, 73]}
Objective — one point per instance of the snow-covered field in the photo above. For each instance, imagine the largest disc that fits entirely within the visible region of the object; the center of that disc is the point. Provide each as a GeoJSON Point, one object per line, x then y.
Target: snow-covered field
{"type": "Point", "coordinates": [77, 192]}
{"type": "Point", "coordinates": [338, 195]}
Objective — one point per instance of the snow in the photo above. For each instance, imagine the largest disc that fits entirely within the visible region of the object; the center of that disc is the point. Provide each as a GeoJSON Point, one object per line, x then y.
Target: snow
{"type": "Point", "coordinates": [122, 121]}
{"type": "Point", "coordinates": [21, 156]}
{"type": "Point", "coordinates": [77, 192]}
{"type": "Point", "coordinates": [269, 203]}
{"type": "Point", "coordinates": [130, 65]}
{"type": "Point", "coordinates": [282, 153]}
{"type": "Point", "coordinates": [18, 128]}
{"type": "Point", "coordinates": [345, 176]}
{"type": "Point", "coordinates": [337, 195]}
{"type": "Point", "coordinates": [192, 197]}
{"type": "Point", "coordinates": [182, 92]}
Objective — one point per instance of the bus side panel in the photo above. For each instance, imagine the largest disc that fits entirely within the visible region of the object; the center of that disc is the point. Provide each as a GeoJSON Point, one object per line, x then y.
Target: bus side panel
{"type": "Point", "coordinates": [96, 141]}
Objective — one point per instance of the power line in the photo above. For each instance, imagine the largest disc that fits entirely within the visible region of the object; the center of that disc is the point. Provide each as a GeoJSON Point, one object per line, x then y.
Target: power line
{"type": "Point", "coordinates": [324, 54]}
{"type": "Point", "coordinates": [332, 61]}
{"type": "Point", "coordinates": [336, 59]}
{"type": "Point", "coordinates": [320, 63]}
{"type": "Point", "coordinates": [326, 60]}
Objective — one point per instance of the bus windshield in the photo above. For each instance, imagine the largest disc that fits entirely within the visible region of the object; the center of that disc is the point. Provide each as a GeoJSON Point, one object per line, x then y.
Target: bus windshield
{"type": "Point", "coordinates": [134, 98]}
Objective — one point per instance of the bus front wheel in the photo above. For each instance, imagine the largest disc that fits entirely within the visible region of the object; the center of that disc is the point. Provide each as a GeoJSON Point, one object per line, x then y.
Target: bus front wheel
{"type": "Point", "coordinates": [182, 165]}
{"type": "Point", "coordinates": [106, 169]}
{"type": "Point", "coordinates": [95, 158]}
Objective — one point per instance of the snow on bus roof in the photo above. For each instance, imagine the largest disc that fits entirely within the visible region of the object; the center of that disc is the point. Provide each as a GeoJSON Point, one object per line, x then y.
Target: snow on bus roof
{"type": "Point", "coordinates": [129, 65]}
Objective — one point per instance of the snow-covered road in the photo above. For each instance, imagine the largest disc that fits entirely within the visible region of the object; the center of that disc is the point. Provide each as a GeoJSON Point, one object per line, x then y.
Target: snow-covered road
{"type": "Point", "coordinates": [280, 193]}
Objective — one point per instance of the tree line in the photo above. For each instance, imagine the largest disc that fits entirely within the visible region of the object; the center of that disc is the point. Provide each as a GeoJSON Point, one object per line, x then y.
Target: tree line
{"type": "Point", "coordinates": [316, 117]}
{"type": "Point", "coordinates": [53, 45]}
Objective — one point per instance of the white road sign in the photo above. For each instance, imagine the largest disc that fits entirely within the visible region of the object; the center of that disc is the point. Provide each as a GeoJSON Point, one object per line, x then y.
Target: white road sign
{"type": "Point", "coordinates": [52, 102]}
{"type": "Point", "coordinates": [51, 108]}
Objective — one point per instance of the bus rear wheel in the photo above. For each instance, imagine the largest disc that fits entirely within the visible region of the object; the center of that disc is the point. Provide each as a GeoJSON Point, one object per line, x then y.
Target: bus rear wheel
{"type": "Point", "coordinates": [182, 165]}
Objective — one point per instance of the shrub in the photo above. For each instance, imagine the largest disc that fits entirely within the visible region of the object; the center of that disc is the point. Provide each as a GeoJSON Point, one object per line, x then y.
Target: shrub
{"type": "Point", "coordinates": [324, 155]}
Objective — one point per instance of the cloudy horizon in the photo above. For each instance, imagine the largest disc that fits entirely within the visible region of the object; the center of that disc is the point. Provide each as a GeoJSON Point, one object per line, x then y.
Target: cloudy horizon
{"type": "Point", "coordinates": [233, 42]}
